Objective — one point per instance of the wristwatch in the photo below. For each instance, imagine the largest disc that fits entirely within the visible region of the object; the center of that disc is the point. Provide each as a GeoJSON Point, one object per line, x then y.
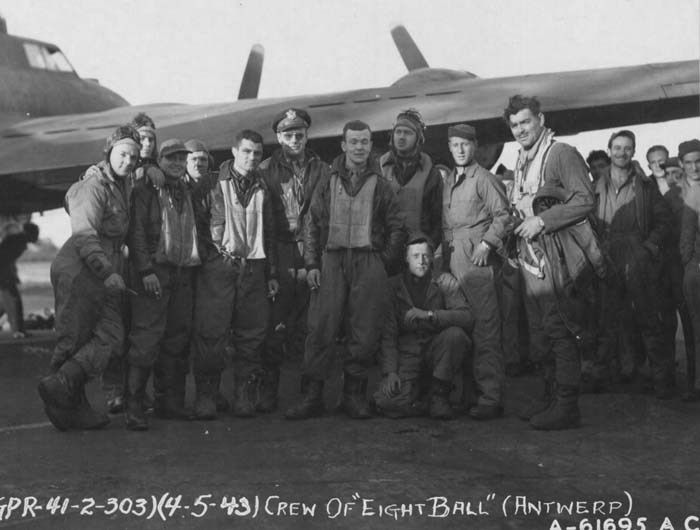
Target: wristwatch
{"type": "Point", "coordinates": [431, 317]}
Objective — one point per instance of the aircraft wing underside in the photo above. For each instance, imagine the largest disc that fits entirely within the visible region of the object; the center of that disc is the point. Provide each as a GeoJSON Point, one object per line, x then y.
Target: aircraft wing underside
{"type": "Point", "coordinates": [40, 158]}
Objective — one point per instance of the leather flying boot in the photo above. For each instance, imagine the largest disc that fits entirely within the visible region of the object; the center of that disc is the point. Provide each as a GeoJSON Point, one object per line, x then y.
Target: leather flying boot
{"type": "Point", "coordinates": [440, 400]}
{"type": "Point", "coordinates": [269, 384]}
{"type": "Point", "coordinates": [222, 404]}
{"type": "Point", "coordinates": [354, 401]}
{"type": "Point", "coordinates": [205, 403]}
{"type": "Point", "coordinates": [245, 396]}
{"type": "Point", "coordinates": [311, 404]}
{"type": "Point", "coordinates": [86, 418]}
{"type": "Point", "coordinates": [482, 412]}
{"type": "Point", "coordinates": [134, 393]}
{"type": "Point", "coordinates": [562, 414]}
{"type": "Point", "coordinates": [543, 402]}
{"type": "Point", "coordinates": [169, 376]}
{"type": "Point", "coordinates": [63, 388]}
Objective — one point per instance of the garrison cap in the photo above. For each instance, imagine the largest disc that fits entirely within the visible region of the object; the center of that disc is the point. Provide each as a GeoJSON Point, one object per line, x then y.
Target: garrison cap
{"type": "Point", "coordinates": [291, 119]}
{"type": "Point", "coordinates": [172, 146]}
{"type": "Point", "coordinates": [195, 146]}
{"type": "Point", "coordinates": [462, 130]}
{"type": "Point", "coordinates": [689, 146]}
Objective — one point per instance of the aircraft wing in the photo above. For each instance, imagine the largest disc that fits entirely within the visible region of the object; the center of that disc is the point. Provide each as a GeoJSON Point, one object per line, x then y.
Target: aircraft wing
{"type": "Point", "coordinates": [40, 158]}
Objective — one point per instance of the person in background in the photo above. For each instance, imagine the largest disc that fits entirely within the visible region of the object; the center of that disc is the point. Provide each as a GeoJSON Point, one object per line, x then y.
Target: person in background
{"type": "Point", "coordinates": [671, 277]}
{"type": "Point", "coordinates": [598, 163]}
{"type": "Point", "coordinates": [689, 156]}
{"type": "Point", "coordinates": [11, 248]}
{"type": "Point", "coordinates": [200, 179]}
{"type": "Point", "coordinates": [633, 223]}
{"type": "Point", "coordinates": [87, 277]}
{"type": "Point", "coordinates": [657, 155]}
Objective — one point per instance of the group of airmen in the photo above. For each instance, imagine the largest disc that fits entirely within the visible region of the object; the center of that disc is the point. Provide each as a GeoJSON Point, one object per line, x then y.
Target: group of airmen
{"type": "Point", "coordinates": [390, 260]}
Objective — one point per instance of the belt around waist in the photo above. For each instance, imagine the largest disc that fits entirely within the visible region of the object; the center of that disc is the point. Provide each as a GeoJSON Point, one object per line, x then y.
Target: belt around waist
{"type": "Point", "coordinates": [463, 233]}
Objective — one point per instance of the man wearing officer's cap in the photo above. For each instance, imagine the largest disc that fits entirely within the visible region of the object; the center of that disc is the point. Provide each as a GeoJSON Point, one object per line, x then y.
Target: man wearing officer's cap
{"type": "Point", "coordinates": [413, 176]}
{"type": "Point", "coordinates": [164, 254]}
{"type": "Point", "coordinates": [476, 220]}
{"type": "Point", "coordinates": [424, 337]}
{"type": "Point", "coordinates": [291, 173]}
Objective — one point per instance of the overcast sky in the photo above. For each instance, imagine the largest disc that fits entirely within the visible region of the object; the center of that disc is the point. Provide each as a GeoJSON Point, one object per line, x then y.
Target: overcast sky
{"type": "Point", "coordinates": [194, 52]}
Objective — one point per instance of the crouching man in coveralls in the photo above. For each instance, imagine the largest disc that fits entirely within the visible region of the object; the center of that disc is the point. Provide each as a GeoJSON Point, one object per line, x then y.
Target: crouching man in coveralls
{"type": "Point", "coordinates": [425, 336]}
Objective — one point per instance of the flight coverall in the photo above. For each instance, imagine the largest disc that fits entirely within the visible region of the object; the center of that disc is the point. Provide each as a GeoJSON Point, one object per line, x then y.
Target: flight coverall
{"type": "Point", "coordinates": [162, 241]}
{"type": "Point", "coordinates": [633, 224]}
{"type": "Point", "coordinates": [475, 209]}
{"type": "Point", "coordinates": [418, 187]}
{"type": "Point", "coordinates": [291, 188]}
{"type": "Point", "coordinates": [552, 342]}
{"type": "Point", "coordinates": [355, 228]}
{"type": "Point", "coordinates": [672, 276]}
{"type": "Point", "coordinates": [423, 349]}
{"type": "Point", "coordinates": [89, 319]}
{"type": "Point", "coordinates": [690, 257]}
{"type": "Point", "coordinates": [231, 303]}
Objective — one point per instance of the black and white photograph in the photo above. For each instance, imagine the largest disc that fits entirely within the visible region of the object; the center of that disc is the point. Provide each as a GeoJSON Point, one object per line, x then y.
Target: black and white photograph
{"type": "Point", "coordinates": [350, 264]}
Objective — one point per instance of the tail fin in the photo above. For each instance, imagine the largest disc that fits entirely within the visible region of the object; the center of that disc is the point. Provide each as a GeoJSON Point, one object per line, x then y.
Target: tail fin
{"type": "Point", "coordinates": [411, 55]}
{"type": "Point", "coordinates": [250, 84]}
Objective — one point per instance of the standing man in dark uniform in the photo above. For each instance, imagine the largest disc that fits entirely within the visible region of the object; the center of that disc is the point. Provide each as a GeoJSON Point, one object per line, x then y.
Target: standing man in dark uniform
{"type": "Point", "coordinates": [476, 220]}
{"type": "Point", "coordinates": [164, 249]}
{"type": "Point", "coordinates": [355, 228]}
{"type": "Point", "coordinates": [634, 223]}
{"type": "Point", "coordinates": [201, 179]}
{"type": "Point", "coordinates": [234, 283]}
{"type": "Point", "coordinates": [291, 173]}
{"type": "Point", "coordinates": [413, 177]}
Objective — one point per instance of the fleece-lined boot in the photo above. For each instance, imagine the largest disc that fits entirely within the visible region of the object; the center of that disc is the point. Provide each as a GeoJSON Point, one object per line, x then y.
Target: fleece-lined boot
{"type": "Point", "coordinates": [311, 404]}
{"type": "Point", "coordinates": [354, 400]}
{"type": "Point", "coordinates": [562, 414]}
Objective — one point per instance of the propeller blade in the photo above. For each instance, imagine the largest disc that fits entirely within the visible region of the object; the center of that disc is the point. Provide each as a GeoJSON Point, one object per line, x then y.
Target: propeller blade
{"type": "Point", "coordinates": [411, 55]}
{"type": "Point", "coordinates": [253, 72]}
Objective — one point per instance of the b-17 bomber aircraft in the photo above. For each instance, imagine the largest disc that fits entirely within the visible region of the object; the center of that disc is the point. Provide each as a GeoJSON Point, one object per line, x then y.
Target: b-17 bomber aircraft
{"type": "Point", "coordinates": [53, 123]}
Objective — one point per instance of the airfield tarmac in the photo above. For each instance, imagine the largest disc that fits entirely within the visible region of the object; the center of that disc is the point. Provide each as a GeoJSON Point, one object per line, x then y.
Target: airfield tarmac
{"type": "Point", "coordinates": [627, 443]}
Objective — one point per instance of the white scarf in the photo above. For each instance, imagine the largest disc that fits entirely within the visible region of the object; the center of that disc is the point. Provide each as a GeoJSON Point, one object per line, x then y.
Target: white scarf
{"type": "Point", "coordinates": [529, 173]}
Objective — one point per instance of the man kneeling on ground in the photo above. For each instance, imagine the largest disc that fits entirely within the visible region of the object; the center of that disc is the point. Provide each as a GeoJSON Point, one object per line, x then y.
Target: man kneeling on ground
{"type": "Point", "coordinates": [425, 335]}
